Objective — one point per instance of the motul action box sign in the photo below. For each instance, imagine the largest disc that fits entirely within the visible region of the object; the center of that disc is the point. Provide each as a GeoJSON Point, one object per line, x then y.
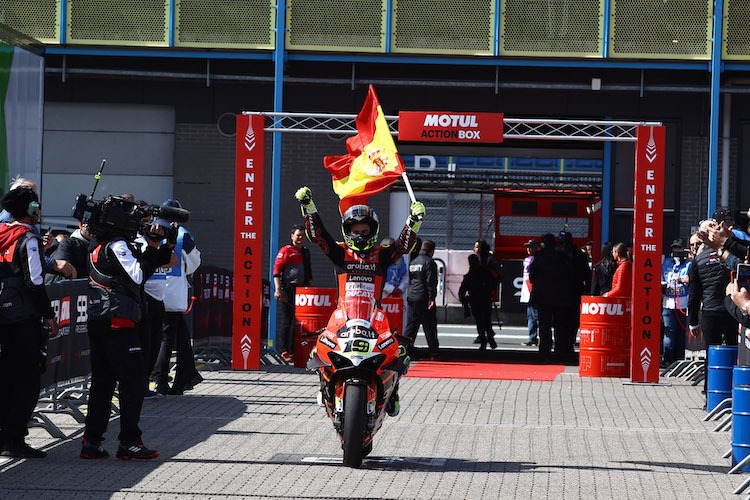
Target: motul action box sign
{"type": "Point", "coordinates": [248, 243]}
{"type": "Point", "coordinates": [444, 126]}
{"type": "Point", "coordinates": [647, 239]}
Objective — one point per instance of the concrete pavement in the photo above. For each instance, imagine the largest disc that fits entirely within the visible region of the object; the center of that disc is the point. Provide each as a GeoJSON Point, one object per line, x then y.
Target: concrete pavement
{"type": "Point", "coordinates": [261, 435]}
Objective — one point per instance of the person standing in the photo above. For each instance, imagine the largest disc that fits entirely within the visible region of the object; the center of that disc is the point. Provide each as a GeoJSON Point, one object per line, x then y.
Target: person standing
{"type": "Point", "coordinates": [476, 285]}
{"type": "Point", "coordinates": [551, 292]}
{"type": "Point", "coordinates": [532, 314]}
{"type": "Point", "coordinates": [176, 304]}
{"type": "Point", "coordinates": [492, 267]}
{"type": "Point", "coordinates": [117, 273]}
{"type": "Point", "coordinates": [674, 284]}
{"type": "Point", "coordinates": [604, 271]}
{"type": "Point", "coordinates": [291, 269]}
{"type": "Point", "coordinates": [622, 284]}
{"type": "Point", "coordinates": [23, 306]}
{"type": "Point", "coordinates": [422, 292]}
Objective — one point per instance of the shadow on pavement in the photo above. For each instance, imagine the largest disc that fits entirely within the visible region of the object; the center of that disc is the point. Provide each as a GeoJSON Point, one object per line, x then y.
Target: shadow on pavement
{"type": "Point", "coordinates": [681, 465]}
{"type": "Point", "coordinates": [171, 425]}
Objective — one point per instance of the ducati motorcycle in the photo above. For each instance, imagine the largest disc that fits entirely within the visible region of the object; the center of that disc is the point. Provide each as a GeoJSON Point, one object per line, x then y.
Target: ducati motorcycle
{"type": "Point", "coordinates": [359, 361]}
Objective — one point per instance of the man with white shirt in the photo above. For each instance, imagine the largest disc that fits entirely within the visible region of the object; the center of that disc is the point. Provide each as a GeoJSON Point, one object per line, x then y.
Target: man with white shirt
{"type": "Point", "coordinates": [23, 304]}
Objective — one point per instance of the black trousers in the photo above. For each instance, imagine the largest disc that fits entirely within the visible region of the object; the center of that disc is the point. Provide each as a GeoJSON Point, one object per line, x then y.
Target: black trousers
{"type": "Point", "coordinates": [19, 376]}
{"type": "Point", "coordinates": [175, 335]}
{"type": "Point", "coordinates": [482, 312]}
{"type": "Point", "coordinates": [285, 309]}
{"type": "Point", "coordinates": [419, 314]}
{"type": "Point", "coordinates": [718, 327]}
{"type": "Point", "coordinates": [116, 356]}
{"type": "Point", "coordinates": [150, 330]}
{"type": "Point", "coordinates": [551, 316]}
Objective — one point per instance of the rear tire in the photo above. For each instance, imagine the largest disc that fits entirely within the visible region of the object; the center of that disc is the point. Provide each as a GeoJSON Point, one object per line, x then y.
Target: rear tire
{"type": "Point", "coordinates": [355, 401]}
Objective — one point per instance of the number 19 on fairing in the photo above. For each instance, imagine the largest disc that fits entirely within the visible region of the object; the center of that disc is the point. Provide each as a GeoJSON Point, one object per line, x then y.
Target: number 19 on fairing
{"type": "Point", "coordinates": [357, 346]}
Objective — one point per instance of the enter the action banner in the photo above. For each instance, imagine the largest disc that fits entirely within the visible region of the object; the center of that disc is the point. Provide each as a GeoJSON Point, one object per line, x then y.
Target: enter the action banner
{"type": "Point", "coordinates": [444, 126]}
{"type": "Point", "coordinates": [648, 216]}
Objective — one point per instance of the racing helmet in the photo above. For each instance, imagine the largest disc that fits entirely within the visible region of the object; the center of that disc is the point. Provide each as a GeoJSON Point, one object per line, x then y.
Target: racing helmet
{"type": "Point", "coordinates": [354, 215]}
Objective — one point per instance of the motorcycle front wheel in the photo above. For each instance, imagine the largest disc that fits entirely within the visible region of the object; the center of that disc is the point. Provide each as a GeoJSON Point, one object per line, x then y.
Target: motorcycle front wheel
{"type": "Point", "coordinates": [355, 401]}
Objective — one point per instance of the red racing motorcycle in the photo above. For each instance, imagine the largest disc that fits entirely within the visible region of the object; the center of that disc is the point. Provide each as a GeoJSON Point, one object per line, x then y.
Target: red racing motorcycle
{"type": "Point", "coordinates": [359, 361]}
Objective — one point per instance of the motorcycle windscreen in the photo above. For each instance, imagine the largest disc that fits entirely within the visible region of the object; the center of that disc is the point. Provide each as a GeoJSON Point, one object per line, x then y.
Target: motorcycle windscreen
{"type": "Point", "coordinates": [359, 305]}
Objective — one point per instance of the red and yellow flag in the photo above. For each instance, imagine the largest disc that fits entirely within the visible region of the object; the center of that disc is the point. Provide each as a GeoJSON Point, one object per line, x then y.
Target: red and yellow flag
{"type": "Point", "coordinates": [373, 163]}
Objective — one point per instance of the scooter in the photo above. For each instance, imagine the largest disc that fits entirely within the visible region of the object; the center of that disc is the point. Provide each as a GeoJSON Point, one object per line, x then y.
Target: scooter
{"type": "Point", "coordinates": [359, 361]}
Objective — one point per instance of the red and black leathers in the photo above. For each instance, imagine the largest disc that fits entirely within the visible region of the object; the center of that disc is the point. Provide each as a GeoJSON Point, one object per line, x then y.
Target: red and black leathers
{"type": "Point", "coordinates": [352, 267]}
{"type": "Point", "coordinates": [292, 266]}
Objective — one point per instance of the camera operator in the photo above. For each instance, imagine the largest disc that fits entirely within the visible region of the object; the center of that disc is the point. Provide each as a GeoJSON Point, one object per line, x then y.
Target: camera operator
{"type": "Point", "coordinates": [152, 323]}
{"type": "Point", "coordinates": [23, 304]}
{"type": "Point", "coordinates": [117, 273]}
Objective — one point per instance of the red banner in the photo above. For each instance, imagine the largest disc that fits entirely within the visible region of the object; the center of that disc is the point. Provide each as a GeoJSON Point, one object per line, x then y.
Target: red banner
{"type": "Point", "coordinates": [248, 243]}
{"type": "Point", "coordinates": [450, 127]}
{"type": "Point", "coordinates": [648, 221]}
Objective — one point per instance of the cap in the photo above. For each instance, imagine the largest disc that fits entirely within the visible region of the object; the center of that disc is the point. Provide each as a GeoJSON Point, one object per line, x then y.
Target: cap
{"type": "Point", "coordinates": [531, 243]}
{"type": "Point", "coordinates": [722, 214]}
{"type": "Point", "coordinates": [679, 242]}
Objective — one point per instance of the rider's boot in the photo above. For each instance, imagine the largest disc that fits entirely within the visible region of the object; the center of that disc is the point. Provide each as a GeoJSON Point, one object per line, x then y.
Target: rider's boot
{"type": "Point", "coordinates": [394, 406]}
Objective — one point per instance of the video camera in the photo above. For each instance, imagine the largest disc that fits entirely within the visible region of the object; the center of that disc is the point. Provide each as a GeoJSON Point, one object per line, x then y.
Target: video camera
{"type": "Point", "coordinates": [117, 216]}
{"type": "Point", "coordinates": [120, 217]}
{"type": "Point", "coordinates": [679, 255]}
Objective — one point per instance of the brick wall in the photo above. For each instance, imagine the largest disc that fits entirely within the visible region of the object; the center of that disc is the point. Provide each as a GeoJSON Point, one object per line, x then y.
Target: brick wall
{"type": "Point", "coordinates": [694, 180]}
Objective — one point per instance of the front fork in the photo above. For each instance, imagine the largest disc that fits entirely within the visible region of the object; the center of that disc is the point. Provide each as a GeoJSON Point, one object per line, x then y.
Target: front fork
{"type": "Point", "coordinates": [335, 408]}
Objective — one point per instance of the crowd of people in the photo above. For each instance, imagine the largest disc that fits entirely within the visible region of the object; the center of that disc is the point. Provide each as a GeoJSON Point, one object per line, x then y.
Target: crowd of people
{"type": "Point", "coordinates": [138, 294]}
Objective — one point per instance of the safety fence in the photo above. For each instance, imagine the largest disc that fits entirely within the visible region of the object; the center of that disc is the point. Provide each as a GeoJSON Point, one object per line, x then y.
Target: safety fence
{"type": "Point", "coordinates": [554, 28]}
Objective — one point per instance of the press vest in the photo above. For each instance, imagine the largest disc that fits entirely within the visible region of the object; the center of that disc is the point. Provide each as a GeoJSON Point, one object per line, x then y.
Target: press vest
{"type": "Point", "coordinates": [112, 294]}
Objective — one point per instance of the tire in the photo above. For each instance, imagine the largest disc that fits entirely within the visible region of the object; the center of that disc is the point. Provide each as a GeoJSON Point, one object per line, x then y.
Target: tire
{"type": "Point", "coordinates": [355, 401]}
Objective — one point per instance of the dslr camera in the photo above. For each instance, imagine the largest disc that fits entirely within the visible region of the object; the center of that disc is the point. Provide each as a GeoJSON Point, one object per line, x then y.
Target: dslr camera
{"type": "Point", "coordinates": [117, 216]}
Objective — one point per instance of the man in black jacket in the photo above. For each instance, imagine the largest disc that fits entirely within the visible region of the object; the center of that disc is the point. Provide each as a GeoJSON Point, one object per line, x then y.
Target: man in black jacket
{"type": "Point", "coordinates": [23, 304]}
{"type": "Point", "coordinates": [421, 298]}
{"type": "Point", "coordinates": [74, 250]}
{"type": "Point", "coordinates": [551, 291]}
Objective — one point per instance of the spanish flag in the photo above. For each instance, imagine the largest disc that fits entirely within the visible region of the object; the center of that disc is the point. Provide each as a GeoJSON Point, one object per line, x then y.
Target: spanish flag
{"type": "Point", "coordinates": [373, 163]}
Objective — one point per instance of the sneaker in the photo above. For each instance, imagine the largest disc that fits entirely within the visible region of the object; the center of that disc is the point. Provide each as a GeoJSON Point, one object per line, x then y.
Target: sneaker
{"type": "Point", "coordinates": [319, 398]}
{"type": "Point", "coordinates": [286, 356]}
{"type": "Point", "coordinates": [529, 344]}
{"type": "Point", "coordinates": [149, 394]}
{"type": "Point", "coordinates": [394, 406]}
{"type": "Point", "coordinates": [478, 340]}
{"type": "Point", "coordinates": [163, 389]}
{"type": "Point", "coordinates": [17, 448]}
{"type": "Point", "coordinates": [135, 451]}
{"type": "Point", "coordinates": [93, 450]}
{"type": "Point", "coordinates": [492, 343]}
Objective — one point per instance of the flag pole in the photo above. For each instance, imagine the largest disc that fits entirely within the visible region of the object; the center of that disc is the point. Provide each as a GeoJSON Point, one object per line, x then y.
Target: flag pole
{"type": "Point", "coordinates": [408, 187]}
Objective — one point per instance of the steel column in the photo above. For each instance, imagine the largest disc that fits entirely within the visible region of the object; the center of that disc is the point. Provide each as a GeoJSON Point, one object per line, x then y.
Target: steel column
{"type": "Point", "coordinates": [713, 140]}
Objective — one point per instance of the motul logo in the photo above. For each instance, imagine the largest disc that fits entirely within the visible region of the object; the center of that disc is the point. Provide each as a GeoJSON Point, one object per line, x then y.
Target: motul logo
{"type": "Point", "coordinates": [312, 300]}
{"type": "Point", "coordinates": [450, 121]}
{"type": "Point", "coordinates": [601, 309]}
{"type": "Point", "coordinates": [391, 308]}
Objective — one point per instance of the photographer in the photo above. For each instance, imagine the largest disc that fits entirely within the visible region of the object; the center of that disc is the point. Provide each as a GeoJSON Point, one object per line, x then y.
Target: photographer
{"type": "Point", "coordinates": [674, 288]}
{"type": "Point", "coordinates": [117, 273]}
{"type": "Point", "coordinates": [23, 304]}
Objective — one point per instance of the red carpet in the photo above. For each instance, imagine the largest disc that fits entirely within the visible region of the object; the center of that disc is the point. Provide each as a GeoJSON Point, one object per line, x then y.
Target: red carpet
{"type": "Point", "coordinates": [485, 371]}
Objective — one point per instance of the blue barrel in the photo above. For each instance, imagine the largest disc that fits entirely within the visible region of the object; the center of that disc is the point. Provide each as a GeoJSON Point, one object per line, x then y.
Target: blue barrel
{"type": "Point", "coordinates": [741, 415]}
{"type": "Point", "coordinates": [721, 359]}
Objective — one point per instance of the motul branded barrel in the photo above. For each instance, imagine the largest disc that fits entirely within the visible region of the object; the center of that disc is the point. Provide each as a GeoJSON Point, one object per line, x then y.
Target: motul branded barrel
{"type": "Point", "coordinates": [605, 337]}
{"type": "Point", "coordinates": [393, 307]}
{"type": "Point", "coordinates": [312, 309]}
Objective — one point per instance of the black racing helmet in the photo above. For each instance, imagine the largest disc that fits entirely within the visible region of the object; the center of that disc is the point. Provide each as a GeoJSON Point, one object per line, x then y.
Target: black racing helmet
{"type": "Point", "coordinates": [356, 214]}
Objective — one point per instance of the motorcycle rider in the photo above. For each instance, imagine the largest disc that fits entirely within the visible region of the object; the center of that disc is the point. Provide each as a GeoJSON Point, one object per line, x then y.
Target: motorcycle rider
{"type": "Point", "coordinates": [357, 254]}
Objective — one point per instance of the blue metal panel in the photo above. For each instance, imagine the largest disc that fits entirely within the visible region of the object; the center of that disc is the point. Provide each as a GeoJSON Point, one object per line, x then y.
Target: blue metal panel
{"type": "Point", "coordinates": [278, 99]}
{"type": "Point", "coordinates": [171, 22]}
{"type": "Point", "coordinates": [388, 25]}
{"type": "Point", "coordinates": [606, 190]}
{"type": "Point", "coordinates": [459, 61]}
{"type": "Point", "coordinates": [63, 21]}
{"type": "Point", "coordinates": [497, 27]}
{"type": "Point", "coordinates": [713, 138]}
{"type": "Point", "coordinates": [110, 52]}
{"type": "Point", "coordinates": [605, 30]}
